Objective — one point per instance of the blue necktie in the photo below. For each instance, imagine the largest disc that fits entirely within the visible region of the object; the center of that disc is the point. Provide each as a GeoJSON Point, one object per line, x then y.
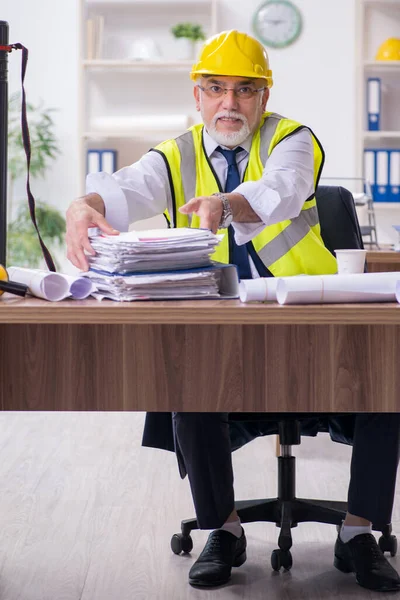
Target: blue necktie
{"type": "Point", "coordinates": [237, 254]}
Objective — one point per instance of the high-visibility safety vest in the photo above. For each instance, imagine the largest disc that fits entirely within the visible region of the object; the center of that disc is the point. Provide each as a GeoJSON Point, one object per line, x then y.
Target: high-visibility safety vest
{"type": "Point", "coordinates": [291, 247]}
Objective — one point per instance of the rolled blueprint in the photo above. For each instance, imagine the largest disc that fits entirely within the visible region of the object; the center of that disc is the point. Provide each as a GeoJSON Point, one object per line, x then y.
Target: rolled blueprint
{"type": "Point", "coordinates": [262, 289]}
{"type": "Point", "coordinates": [52, 286]}
{"type": "Point", "coordinates": [79, 287]}
{"type": "Point", "coordinates": [43, 284]}
{"type": "Point", "coordinates": [319, 289]}
{"type": "Point", "coordinates": [398, 291]}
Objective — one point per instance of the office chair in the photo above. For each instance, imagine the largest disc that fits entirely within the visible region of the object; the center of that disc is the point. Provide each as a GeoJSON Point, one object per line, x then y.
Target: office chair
{"type": "Point", "coordinates": [339, 230]}
{"type": "Point", "coordinates": [365, 199]}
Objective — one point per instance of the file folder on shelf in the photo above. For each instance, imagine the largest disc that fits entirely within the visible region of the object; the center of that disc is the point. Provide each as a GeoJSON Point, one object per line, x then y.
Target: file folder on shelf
{"type": "Point", "coordinates": [101, 160]}
{"type": "Point", "coordinates": [382, 170]}
{"type": "Point", "coordinates": [369, 168]}
{"type": "Point", "coordinates": [394, 176]}
{"type": "Point", "coordinates": [374, 103]}
{"type": "Point", "coordinates": [382, 175]}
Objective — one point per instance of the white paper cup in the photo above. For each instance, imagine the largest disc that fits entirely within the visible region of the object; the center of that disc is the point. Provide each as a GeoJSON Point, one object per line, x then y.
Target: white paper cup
{"type": "Point", "coordinates": [350, 261]}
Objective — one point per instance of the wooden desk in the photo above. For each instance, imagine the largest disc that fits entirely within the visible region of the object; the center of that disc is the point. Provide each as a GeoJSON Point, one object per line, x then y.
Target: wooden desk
{"type": "Point", "coordinates": [204, 355]}
{"type": "Point", "coordinates": [383, 260]}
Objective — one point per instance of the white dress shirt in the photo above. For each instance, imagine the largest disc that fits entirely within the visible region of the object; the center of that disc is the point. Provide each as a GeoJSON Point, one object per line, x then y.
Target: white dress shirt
{"type": "Point", "coordinates": [142, 190]}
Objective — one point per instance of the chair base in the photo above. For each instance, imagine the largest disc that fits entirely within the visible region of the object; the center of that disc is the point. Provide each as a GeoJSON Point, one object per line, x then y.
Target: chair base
{"type": "Point", "coordinates": [284, 513]}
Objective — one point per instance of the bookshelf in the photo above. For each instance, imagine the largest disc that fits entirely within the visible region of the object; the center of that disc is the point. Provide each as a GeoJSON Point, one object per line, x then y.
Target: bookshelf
{"type": "Point", "coordinates": [131, 66]}
{"type": "Point", "coordinates": [377, 21]}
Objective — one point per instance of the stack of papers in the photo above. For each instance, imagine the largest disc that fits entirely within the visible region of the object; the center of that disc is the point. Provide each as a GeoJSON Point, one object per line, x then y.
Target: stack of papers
{"type": "Point", "coordinates": [201, 283]}
{"type": "Point", "coordinates": [159, 264]}
{"type": "Point", "coordinates": [153, 250]}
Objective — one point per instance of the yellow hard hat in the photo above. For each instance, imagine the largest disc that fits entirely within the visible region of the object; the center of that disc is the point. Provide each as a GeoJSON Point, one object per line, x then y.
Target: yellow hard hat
{"type": "Point", "coordinates": [389, 50]}
{"type": "Point", "coordinates": [233, 54]}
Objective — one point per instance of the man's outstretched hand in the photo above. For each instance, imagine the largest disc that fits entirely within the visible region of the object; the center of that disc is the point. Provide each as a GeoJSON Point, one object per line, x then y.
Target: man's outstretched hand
{"type": "Point", "coordinates": [84, 213]}
{"type": "Point", "coordinates": [208, 208]}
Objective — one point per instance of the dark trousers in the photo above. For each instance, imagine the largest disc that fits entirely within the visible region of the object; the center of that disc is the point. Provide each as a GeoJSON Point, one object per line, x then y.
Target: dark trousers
{"type": "Point", "coordinates": [204, 443]}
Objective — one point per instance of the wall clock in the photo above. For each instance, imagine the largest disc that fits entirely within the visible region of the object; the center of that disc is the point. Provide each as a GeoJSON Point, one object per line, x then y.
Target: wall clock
{"type": "Point", "coordinates": [277, 23]}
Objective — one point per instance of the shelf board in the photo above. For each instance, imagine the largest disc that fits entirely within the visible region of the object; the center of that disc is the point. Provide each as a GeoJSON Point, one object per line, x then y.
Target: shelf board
{"type": "Point", "coordinates": [142, 135]}
{"type": "Point", "coordinates": [138, 65]}
{"type": "Point", "coordinates": [382, 134]}
{"type": "Point", "coordinates": [124, 3]}
{"type": "Point", "coordinates": [391, 65]}
{"type": "Point", "coordinates": [382, 3]}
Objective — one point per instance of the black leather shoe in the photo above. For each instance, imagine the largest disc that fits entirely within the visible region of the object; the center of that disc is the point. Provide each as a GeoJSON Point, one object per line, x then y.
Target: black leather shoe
{"type": "Point", "coordinates": [361, 555]}
{"type": "Point", "coordinates": [222, 551]}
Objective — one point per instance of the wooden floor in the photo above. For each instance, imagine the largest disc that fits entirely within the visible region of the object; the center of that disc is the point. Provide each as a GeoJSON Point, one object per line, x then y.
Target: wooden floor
{"type": "Point", "coordinates": [87, 514]}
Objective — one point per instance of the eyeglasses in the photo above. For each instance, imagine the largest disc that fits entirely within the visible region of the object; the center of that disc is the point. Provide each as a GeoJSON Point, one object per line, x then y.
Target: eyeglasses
{"type": "Point", "coordinates": [244, 92]}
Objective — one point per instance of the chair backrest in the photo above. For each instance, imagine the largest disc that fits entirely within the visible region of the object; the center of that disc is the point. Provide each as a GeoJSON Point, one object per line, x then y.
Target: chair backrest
{"type": "Point", "coordinates": [338, 218]}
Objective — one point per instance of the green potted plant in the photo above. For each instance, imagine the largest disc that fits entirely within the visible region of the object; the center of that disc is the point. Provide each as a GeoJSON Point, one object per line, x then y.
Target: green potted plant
{"type": "Point", "coordinates": [187, 35]}
{"type": "Point", "coordinates": [23, 248]}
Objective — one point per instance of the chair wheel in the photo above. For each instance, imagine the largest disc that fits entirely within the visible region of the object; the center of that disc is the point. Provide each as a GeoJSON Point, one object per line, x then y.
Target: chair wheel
{"type": "Point", "coordinates": [180, 543]}
{"type": "Point", "coordinates": [388, 544]}
{"type": "Point", "coordinates": [281, 559]}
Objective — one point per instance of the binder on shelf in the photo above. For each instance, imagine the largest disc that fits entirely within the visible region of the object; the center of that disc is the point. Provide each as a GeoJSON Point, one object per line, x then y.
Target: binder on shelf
{"type": "Point", "coordinates": [101, 160]}
{"type": "Point", "coordinates": [394, 176]}
{"type": "Point", "coordinates": [93, 161]}
{"type": "Point", "coordinates": [373, 103]}
{"type": "Point", "coordinates": [382, 170]}
{"type": "Point", "coordinates": [382, 175]}
{"type": "Point", "coordinates": [369, 168]}
{"type": "Point", "coordinates": [109, 161]}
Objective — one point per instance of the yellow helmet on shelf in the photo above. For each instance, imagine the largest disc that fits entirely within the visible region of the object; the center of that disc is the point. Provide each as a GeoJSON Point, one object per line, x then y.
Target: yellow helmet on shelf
{"type": "Point", "coordinates": [233, 54]}
{"type": "Point", "coordinates": [389, 50]}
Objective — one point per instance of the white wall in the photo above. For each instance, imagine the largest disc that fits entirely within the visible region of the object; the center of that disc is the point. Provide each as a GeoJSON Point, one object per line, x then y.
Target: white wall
{"type": "Point", "coordinates": [49, 29]}
{"type": "Point", "coordinates": [314, 78]}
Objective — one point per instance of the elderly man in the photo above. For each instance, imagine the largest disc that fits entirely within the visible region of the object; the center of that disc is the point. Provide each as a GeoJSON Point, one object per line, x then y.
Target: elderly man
{"type": "Point", "coordinates": [254, 174]}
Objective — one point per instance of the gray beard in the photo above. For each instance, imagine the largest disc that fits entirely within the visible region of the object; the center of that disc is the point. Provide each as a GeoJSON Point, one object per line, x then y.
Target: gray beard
{"type": "Point", "coordinates": [230, 139]}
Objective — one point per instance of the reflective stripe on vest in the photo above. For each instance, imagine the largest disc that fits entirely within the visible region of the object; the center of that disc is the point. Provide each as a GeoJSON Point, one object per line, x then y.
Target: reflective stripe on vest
{"type": "Point", "coordinates": [267, 132]}
{"type": "Point", "coordinates": [188, 164]}
{"type": "Point", "coordinates": [298, 228]}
